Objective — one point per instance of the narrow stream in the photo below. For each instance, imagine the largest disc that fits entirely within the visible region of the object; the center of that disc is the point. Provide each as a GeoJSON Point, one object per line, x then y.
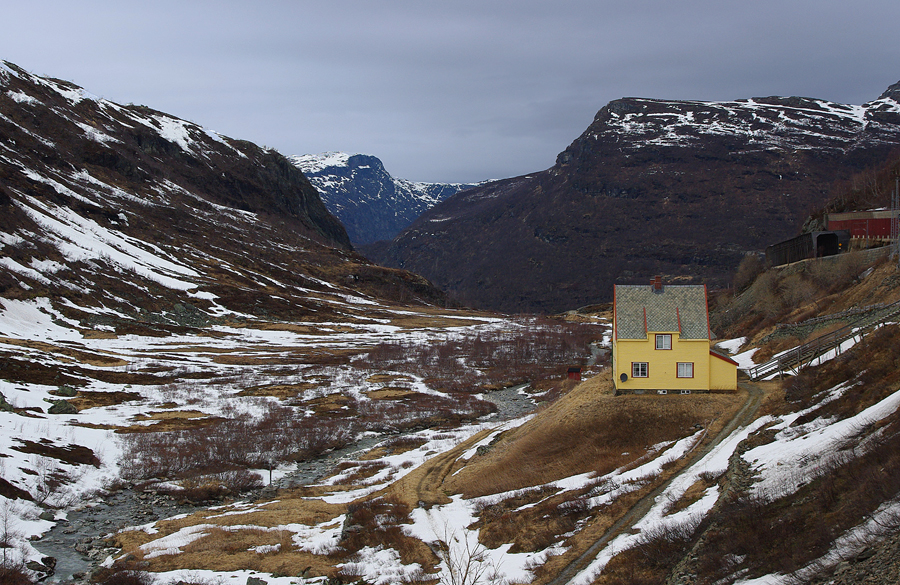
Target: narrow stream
{"type": "Point", "coordinates": [77, 543]}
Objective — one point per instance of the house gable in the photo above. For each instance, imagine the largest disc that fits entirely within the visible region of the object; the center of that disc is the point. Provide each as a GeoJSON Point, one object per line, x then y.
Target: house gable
{"type": "Point", "coordinates": [642, 309]}
{"type": "Point", "coordinates": [681, 360]}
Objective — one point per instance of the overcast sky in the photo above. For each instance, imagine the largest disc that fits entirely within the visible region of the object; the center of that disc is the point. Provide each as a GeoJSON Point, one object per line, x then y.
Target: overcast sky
{"type": "Point", "coordinates": [453, 90]}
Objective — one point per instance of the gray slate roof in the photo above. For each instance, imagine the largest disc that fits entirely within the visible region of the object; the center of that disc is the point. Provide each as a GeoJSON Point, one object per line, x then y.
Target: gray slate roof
{"type": "Point", "coordinates": [688, 299]}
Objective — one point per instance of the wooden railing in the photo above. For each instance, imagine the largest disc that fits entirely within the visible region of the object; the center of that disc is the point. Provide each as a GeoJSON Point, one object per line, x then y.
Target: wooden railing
{"type": "Point", "coordinates": [802, 355]}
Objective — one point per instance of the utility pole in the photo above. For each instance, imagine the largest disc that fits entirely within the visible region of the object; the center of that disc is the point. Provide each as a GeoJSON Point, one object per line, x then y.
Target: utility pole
{"type": "Point", "coordinates": [895, 220]}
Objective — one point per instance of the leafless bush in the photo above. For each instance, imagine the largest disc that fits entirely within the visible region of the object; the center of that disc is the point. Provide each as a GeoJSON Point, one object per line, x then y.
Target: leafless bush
{"type": "Point", "coordinates": [535, 350]}
{"type": "Point", "coordinates": [14, 574]}
{"type": "Point", "coordinates": [467, 563]}
{"type": "Point", "coordinates": [710, 476]}
{"type": "Point", "coordinates": [749, 268]}
{"type": "Point", "coordinates": [578, 506]}
{"type": "Point", "coordinates": [665, 545]}
{"type": "Point", "coordinates": [128, 578]}
{"type": "Point", "coordinates": [405, 443]}
{"type": "Point", "coordinates": [239, 442]}
{"type": "Point", "coordinates": [12, 567]}
{"type": "Point", "coordinates": [377, 523]}
{"type": "Point", "coordinates": [207, 487]}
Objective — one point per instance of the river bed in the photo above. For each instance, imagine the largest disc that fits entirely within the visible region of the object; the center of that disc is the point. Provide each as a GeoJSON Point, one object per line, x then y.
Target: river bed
{"type": "Point", "coordinates": [77, 543]}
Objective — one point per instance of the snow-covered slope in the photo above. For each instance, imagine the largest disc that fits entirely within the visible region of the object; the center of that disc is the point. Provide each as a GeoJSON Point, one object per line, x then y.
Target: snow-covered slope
{"type": "Point", "coordinates": [123, 209]}
{"type": "Point", "coordinates": [754, 124]}
{"type": "Point", "coordinates": [370, 203]}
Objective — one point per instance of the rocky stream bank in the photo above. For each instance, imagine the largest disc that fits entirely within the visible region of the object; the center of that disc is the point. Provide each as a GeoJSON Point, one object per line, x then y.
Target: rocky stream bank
{"type": "Point", "coordinates": [77, 546]}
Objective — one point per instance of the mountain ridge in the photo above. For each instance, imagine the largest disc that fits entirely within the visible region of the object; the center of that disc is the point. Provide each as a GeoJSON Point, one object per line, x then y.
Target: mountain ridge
{"type": "Point", "coordinates": [673, 187]}
{"type": "Point", "coordinates": [371, 203]}
{"type": "Point", "coordinates": [94, 190]}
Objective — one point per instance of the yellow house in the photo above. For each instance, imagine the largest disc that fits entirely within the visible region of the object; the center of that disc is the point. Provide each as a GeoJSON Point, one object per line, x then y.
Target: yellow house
{"type": "Point", "coordinates": [661, 341]}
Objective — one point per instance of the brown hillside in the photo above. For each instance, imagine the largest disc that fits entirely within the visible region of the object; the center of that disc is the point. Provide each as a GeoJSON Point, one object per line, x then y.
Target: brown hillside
{"type": "Point", "coordinates": [589, 429]}
{"type": "Point", "coordinates": [682, 189]}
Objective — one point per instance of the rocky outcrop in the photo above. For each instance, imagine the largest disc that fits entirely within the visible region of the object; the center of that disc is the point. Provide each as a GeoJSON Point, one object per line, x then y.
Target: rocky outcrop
{"type": "Point", "coordinates": [370, 203]}
{"type": "Point", "coordinates": [128, 208]}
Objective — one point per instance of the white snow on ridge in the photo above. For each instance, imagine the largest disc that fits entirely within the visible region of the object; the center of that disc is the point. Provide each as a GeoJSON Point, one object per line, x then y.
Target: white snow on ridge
{"type": "Point", "coordinates": [769, 124]}
{"type": "Point", "coordinates": [79, 238]}
{"type": "Point", "coordinates": [313, 163]}
{"type": "Point", "coordinates": [175, 130]}
{"type": "Point", "coordinates": [33, 319]}
{"type": "Point", "coordinates": [96, 135]}
{"type": "Point", "coordinates": [21, 98]}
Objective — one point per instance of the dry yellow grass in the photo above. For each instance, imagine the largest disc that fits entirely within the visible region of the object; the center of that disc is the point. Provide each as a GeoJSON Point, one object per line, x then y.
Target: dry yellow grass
{"type": "Point", "coordinates": [773, 401]}
{"type": "Point", "coordinates": [95, 334]}
{"type": "Point", "coordinates": [327, 404]}
{"type": "Point", "coordinates": [176, 423]}
{"type": "Point", "coordinates": [430, 322]}
{"type": "Point", "coordinates": [87, 399]}
{"type": "Point", "coordinates": [589, 429]}
{"type": "Point", "coordinates": [388, 378]}
{"type": "Point", "coordinates": [286, 355]}
{"type": "Point", "coordinates": [295, 328]}
{"type": "Point", "coordinates": [169, 414]}
{"type": "Point", "coordinates": [279, 390]}
{"type": "Point", "coordinates": [224, 549]}
{"type": "Point", "coordinates": [425, 484]}
{"type": "Point", "coordinates": [391, 393]}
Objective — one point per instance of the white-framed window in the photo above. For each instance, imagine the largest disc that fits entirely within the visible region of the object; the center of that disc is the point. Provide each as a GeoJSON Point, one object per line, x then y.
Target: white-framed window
{"type": "Point", "coordinates": [685, 369]}
{"type": "Point", "coordinates": [639, 369]}
{"type": "Point", "coordinates": [663, 341]}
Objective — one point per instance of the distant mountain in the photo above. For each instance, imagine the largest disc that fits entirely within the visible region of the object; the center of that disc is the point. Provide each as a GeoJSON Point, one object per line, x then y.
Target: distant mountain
{"type": "Point", "coordinates": [677, 188]}
{"type": "Point", "coordinates": [133, 216]}
{"type": "Point", "coordinates": [370, 203]}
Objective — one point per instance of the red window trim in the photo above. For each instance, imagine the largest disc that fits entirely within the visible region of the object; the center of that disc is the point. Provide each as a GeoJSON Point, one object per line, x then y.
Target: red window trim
{"type": "Point", "coordinates": [656, 341]}
{"type": "Point", "coordinates": [684, 377]}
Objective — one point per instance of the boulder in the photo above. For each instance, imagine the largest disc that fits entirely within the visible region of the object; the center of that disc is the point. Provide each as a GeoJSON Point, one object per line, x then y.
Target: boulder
{"type": "Point", "coordinates": [62, 407]}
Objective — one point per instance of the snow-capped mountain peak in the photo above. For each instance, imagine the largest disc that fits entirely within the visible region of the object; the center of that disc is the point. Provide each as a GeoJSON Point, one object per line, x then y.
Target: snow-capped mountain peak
{"type": "Point", "coordinates": [372, 204]}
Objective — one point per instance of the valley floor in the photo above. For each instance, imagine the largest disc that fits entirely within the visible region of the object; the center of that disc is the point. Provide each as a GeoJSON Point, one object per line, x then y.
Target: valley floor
{"type": "Point", "coordinates": [385, 471]}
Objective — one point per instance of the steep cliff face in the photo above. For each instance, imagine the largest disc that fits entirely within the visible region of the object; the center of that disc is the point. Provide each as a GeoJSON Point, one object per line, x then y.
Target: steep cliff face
{"type": "Point", "coordinates": [680, 188]}
{"type": "Point", "coordinates": [59, 127]}
{"type": "Point", "coordinates": [370, 203]}
{"type": "Point", "coordinates": [137, 211]}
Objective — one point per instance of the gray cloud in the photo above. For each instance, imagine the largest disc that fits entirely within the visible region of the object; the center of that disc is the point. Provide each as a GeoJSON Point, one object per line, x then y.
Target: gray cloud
{"type": "Point", "coordinates": [450, 91]}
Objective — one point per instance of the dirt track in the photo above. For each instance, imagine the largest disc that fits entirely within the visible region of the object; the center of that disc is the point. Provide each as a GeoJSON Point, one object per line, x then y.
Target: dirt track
{"type": "Point", "coordinates": [743, 417]}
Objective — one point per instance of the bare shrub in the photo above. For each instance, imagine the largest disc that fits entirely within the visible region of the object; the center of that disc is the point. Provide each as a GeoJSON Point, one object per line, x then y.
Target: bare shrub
{"type": "Point", "coordinates": [128, 578]}
{"type": "Point", "coordinates": [534, 351]}
{"type": "Point", "coordinates": [467, 562]}
{"type": "Point", "coordinates": [665, 545]}
{"type": "Point", "coordinates": [216, 486]}
{"type": "Point", "coordinates": [405, 443]}
{"type": "Point", "coordinates": [14, 574]}
{"type": "Point", "coordinates": [796, 290]}
{"type": "Point", "coordinates": [377, 523]}
{"type": "Point", "coordinates": [231, 444]}
{"type": "Point", "coordinates": [801, 387]}
{"type": "Point", "coordinates": [749, 268]}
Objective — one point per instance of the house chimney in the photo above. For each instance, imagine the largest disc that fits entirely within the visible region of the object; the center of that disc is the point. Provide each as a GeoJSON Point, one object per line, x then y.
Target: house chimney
{"type": "Point", "coordinates": [656, 283]}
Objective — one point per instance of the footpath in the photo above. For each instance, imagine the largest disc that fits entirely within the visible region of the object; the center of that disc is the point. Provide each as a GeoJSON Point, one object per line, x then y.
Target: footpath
{"type": "Point", "coordinates": [742, 418]}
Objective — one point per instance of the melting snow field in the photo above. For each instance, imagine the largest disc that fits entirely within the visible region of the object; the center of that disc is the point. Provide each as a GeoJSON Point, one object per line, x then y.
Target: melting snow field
{"type": "Point", "coordinates": [37, 331]}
